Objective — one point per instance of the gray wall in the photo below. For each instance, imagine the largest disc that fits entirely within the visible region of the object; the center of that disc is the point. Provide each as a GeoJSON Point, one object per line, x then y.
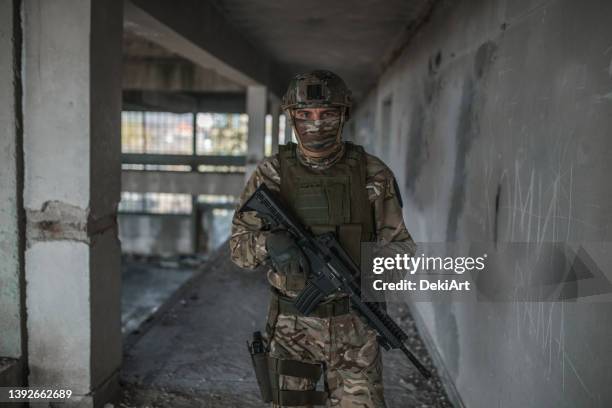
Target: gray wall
{"type": "Point", "coordinates": [170, 234]}
{"type": "Point", "coordinates": [155, 234]}
{"type": "Point", "coordinates": [501, 123]}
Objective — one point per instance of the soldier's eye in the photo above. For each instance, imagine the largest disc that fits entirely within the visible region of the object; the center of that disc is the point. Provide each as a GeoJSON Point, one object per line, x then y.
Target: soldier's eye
{"type": "Point", "coordinates": [330, 114]}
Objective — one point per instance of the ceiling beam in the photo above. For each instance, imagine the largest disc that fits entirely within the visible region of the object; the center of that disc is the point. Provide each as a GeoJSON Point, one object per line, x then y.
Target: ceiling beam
{"type": "Point", "coordinates": [196, 30]}
{"type": "Point", "coordinates": [173, 74]}
{"type": "Point", "coordinates": [184, 102]}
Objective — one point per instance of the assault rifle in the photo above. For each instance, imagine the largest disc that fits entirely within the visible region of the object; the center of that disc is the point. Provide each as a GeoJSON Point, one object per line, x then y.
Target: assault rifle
{"type": "Point", "coordinates": [332, 270]}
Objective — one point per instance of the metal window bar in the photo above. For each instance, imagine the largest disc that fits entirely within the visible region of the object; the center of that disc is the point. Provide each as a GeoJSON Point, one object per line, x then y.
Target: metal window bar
{"type": "Point", "coordinates": [155, 203]}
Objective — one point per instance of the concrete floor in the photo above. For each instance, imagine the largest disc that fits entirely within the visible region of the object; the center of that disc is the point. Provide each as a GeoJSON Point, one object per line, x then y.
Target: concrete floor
{"type": "Point", "coordinates": [194, 353]}
{"type": "Point", "coordinates": [145, 287]}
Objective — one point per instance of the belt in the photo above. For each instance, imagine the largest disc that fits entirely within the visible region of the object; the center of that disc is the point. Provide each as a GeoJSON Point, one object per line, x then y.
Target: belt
{"type": "Point", "coordinates": [331, 308]}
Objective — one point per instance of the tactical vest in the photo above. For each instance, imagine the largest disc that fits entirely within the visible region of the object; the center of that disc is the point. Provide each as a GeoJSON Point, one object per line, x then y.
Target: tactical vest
{"type": "Point", "coordinates": [334, 199]}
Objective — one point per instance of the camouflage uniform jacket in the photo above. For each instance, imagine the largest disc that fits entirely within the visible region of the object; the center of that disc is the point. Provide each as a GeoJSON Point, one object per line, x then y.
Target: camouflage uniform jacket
{"type": "Point", "coordinates": [247, 242]}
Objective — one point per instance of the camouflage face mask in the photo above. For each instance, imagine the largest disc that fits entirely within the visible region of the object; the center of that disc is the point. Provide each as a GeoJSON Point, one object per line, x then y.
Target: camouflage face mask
{"type": "Point", "coordinates": [318, 135]}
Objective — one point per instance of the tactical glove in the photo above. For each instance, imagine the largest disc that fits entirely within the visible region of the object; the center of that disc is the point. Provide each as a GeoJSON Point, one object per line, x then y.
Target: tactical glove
{"type": "Point", "coordinates": [287, 258]}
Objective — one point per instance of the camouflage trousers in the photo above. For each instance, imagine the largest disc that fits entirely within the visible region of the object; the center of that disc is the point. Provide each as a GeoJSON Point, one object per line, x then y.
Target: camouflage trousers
{"type": "Point", "coordinates": [345, 345]}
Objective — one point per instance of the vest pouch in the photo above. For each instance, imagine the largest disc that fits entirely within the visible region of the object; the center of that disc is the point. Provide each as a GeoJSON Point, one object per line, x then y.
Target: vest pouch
{"type": "Point", "coordinates": [322, 200]}
{"type": "Point", "coordinates": [311, 203]}
{"type": "Point", "coordinates": [349, 236]}
{"type": "Point", "coordinates": [338, 201]}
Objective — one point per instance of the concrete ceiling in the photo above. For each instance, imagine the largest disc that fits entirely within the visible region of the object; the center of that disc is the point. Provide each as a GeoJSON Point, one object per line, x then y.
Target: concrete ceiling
{"type": "Point", "coordinates": [225, 45]}
{"type": "Point", "coordinates": [350, 37]}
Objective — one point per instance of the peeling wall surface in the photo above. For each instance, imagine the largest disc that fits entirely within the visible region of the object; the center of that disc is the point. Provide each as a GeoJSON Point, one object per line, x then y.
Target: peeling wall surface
{"type": "Point", "coordinates": [501, 123]}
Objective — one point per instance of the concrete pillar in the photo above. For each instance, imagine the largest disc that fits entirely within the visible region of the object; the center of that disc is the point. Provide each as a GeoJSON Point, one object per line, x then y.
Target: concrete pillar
{"type": "Point", "coordinates": [12, 314]}
{"type": "Point", "coordinates": [275, 111]}
{"type": "Point", "coordinates": [195, 225]}
{"type": "Point", "coordinates": [72, 146]}
{"type": "Point", "coordinates": [256, 100]}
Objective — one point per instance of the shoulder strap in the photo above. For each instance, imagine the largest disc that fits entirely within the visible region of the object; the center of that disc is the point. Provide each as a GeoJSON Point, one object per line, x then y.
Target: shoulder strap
{"type": "Point", "coordinates": [354, 152]}
{"type": "Point", "coordinates": [287, 151]}
{"type": "Point", "coordinates": [355, 157]}
{"type": "Point", "coordinates": [287, 157]}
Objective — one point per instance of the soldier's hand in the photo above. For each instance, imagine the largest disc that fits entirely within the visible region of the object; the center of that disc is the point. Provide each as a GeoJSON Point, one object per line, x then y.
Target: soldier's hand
{"type": "Point", "coordinates": [286, 256]}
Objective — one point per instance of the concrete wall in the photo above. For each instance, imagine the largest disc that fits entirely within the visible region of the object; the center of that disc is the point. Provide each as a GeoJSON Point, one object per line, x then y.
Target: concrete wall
{"type": "Point", "coordinates": [155, 234]}
{"type": "Point", "coordinates": [170, 234]}
{"type": "Point", "coordinates": [501, 122]}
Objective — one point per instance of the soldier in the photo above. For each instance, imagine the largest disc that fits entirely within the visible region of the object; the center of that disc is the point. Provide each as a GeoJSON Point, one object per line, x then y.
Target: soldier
{"type": "Point", "coordinates": [330, 185]}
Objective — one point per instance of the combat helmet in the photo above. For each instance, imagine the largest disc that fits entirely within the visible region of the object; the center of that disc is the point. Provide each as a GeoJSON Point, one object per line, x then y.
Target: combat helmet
{"type": "Point", "coordinates": [317, 89]}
